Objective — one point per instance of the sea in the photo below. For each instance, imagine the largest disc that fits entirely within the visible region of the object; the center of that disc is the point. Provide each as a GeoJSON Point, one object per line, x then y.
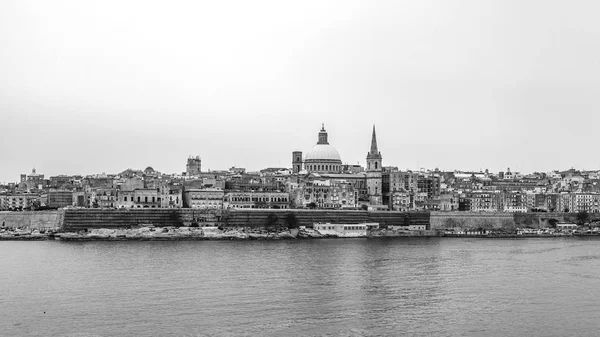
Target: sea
{"type": "Point", "coordinates": [322, 287]}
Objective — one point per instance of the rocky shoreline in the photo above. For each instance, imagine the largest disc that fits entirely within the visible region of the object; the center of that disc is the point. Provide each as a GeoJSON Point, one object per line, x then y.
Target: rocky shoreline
{"type": "Point", "coordinates": [152, 233]}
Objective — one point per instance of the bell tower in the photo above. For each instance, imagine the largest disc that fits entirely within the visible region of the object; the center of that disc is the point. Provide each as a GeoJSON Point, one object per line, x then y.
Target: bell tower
{"type": "Point", "coordinates": [374, 172]}
{"type": "Point", "coordinates": [296, 162]}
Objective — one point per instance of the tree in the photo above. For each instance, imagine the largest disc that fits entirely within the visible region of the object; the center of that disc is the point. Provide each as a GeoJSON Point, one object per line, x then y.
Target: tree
{"type": "Point", "coordinates": [35, 204]}
{"type": "Point", "coordinates": [582, 217]}
{"type": "Point", "coordinates": [291, 220]}
{"type": "Point", "coordinates": [312, 205]}
{"type": "Point", "coordinates": [272, 220]}
{"type": "Point", "coordinates": [364, 207]}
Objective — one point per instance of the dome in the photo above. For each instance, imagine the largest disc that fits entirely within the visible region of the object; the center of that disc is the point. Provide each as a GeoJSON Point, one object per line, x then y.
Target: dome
{"type": "Point", "coordinates": [149, 170]}
{"type": "Point", "coordinates": [322, 152]}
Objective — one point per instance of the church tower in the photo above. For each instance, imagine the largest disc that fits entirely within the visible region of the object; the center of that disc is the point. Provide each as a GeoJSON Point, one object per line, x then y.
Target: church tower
{"type": "Point", "coordinates": [374, 172]}
{"type": "Point", "coordinates": [296, 162]}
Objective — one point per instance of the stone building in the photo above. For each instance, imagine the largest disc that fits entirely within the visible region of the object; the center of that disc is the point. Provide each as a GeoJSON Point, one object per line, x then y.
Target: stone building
{"type": "Point", "coordinates": [402, 201]}
{"type": "Point", "coordinates": [374, 172]}
{"type": "Point", "coordinates": [146, 198]}
{"type": "Point", "coordinates": [296, 162]}
{"type": "Point", "coordinates": [104, 197]}
{"type": "Point", "coordinates": [205, 198]}
{"type": "Point", "coordinates": [138, 198]}
{"type": "Point", "coordinates": [256, 199]}
{"type": "Point", "coordinates": [194, 166]}
{"type": "Point", "coordinates": [171, 196]}
{"type": "Point", "coordinates": [20, 201]}
{"type": "Point", "coordinates": [326, 194]}
{"type": "Point", "coordinates": [60, 198]}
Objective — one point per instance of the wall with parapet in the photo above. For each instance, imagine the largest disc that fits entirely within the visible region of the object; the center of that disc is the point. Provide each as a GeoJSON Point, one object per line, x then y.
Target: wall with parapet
{"type": "Point", "coordinates": [441, 220]}
{"type": "Point", "coordinates": [261, 218]}
{"type": "Point", "coordinates": [122, 218]}
{"type": "Point", "coordinates": [111, 218]}
{"type": "Point", "coordinates": [49, 220]}
{"type": "Point", "coordinates": [74, 219]}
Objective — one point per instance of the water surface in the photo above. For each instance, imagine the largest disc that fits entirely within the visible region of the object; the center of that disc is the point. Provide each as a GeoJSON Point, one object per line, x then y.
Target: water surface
{"type": "Point", "coordinates": [326, 287]}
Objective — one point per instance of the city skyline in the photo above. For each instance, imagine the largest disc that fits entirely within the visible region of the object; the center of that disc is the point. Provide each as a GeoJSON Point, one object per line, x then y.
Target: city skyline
{"type": "Point", "coordinates": [206, 167]}
{"type": "Point", "coordinates": [466, 85]}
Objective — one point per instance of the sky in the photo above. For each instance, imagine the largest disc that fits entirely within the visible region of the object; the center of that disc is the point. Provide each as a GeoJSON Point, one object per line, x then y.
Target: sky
{"type": "Point", "coordinates": [101, 86]}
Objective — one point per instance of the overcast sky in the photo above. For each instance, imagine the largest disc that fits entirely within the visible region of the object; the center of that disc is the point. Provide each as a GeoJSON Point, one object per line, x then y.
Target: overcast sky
{"type": "Point", "coordinates": [101, 86]}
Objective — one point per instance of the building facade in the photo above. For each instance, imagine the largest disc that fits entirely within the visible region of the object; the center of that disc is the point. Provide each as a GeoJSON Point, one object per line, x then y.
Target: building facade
{"type": "Point", "coordinates": [205, 198]}
{"type": "Point", "coordinates": [252, 199]}
{"type": "Point", "coordinates": [193, 166]}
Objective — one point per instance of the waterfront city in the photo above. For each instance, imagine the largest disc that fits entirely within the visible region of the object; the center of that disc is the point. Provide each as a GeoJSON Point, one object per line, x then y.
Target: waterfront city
{"type": "Point", "coordinates": [317, 179]}
{"type": "Point", "coordinates": [454, 202]}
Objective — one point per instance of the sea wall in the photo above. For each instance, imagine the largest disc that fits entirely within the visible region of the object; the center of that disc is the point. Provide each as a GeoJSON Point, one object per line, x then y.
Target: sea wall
{"type": "Point", "coordinates": [121, 218]}
{"type": "Point", "coordinates": [47, 220]}
{"type": "Point", "coordinates": [442, 220]}
{"type": "Point", "coordinates": [76, 219]}
{"type": "Point", "coordinates": [301, 217]}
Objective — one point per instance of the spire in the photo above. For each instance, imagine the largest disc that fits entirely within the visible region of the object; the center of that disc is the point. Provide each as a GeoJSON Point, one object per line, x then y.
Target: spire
{"type": "Point", "coordinates": [374, 152]}
{"type": "Point", "coordinates": [374, 142]}
{"type": "Point", "coordinates": [323, 135]}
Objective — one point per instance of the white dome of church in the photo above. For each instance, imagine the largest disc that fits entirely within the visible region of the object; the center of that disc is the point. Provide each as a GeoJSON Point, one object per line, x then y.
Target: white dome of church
{"type": "Point", "coordinates": [322, 157]}
{"type": "Point", "coordinates": [322, 151]}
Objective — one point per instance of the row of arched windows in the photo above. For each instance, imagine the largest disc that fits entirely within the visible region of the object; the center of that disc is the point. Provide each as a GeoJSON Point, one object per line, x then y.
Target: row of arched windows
{"type": "Point", "coordinates": [323, 167]}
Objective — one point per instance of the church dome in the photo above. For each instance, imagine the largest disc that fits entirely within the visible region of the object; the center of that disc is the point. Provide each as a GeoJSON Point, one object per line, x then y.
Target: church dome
{"type": "Point", "coordinates": [323, 158]}
{"type": "Point", "coordinates": [322, 152]}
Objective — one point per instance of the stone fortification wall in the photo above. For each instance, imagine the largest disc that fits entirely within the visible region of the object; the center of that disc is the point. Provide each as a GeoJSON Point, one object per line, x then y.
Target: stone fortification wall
{"type": "Point", "coordinates": [74, 219]}
{"type": "Point", "coordinates": [49, 220]}
{"type": "Point", "coordinates": [120, 218]}
{"type": "Point", "coordinates": [543, 218]}
{"type": "Point", "coordinates": [261, 218]}
{"type": "Point", "coordinates": [441, 220]}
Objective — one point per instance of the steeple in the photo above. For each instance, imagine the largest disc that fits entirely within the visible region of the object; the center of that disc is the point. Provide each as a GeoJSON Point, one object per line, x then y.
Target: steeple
{"type": "Point", "coordinates": [374, 152]}
{"type": "Point", "coordinates": [323, 135]}
{"type": "Point", "coordinates": [374, 172]}
{"type": "Point", "coordinates": [374, 142]}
